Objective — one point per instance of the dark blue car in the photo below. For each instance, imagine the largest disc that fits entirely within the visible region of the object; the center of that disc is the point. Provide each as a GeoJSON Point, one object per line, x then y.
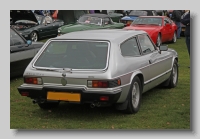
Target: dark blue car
{"type": "Point", "coordinates": [133, 14]}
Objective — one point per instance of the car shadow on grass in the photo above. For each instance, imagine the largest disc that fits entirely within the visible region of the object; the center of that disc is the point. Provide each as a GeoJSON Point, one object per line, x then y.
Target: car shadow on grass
{"type": "Point", "coordinates": [79, 111]}
{"type": "Point", "coordinates": [75, 111]}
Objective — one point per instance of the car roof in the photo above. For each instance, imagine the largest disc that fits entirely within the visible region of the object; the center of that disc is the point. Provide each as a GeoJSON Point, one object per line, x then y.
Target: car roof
{"type": "Point", "coordinates": [153, 16]}
{"type": "Point", "coordinates": [112, 35]}
{"type": "Point", "coordinates": [96, 15]}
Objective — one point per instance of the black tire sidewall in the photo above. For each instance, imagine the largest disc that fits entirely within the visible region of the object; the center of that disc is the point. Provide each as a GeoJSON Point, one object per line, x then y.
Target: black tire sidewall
{"type": "Point", "coordinates": [173, 37]}
{"type": "Point", "coordinates": [172, 84]}
{"type": "Point", "coordinates": [159, 35]}
{"type": "Point", "coordinates": [130, 108]}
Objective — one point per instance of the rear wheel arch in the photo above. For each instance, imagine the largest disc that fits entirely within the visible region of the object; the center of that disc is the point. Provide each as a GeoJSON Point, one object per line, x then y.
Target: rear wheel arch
{"type": "Point", "coordinates": [37, 33]}
{"type": "Point", "coordinates": [141, 77]}
{"type": "Point", "coordinates": [139, 74]}
{"type": "Point", "coordinates": [176, 59]}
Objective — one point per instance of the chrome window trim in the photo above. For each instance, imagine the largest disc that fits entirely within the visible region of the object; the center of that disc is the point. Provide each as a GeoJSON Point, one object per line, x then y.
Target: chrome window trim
{"type": "Point", "coordinates": [44, 68]}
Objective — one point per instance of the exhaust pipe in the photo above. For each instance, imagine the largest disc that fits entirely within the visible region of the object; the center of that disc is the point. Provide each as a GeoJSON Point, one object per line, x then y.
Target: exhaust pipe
{"type": "Point", "coordinates": [92, 105]}
{"type": "Point", "coordinates": [35, 101]}
{"type": "Point", "coordinates": [98, 104]}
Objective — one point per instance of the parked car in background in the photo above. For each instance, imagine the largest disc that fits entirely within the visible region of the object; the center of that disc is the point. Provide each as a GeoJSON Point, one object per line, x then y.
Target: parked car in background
{"type": "Point", "coordinates": [124, 12]}
{"type": "Point", "coordinates": [90, 22]}
{"type": "Point", "coordinates": [99, 67]}
{"type": "Point", "coordinates": [113, 14]}
{"type": "Point", "coordinates": [21, 52]}
{"type": "Point", "coordinates": [34, 27]}
{"type": "Point", "coordinates": [161, 12]}
{"type": "Point", "coordinates": [133, 14]}
{"type": "Point", "coordinates": [160, 28]}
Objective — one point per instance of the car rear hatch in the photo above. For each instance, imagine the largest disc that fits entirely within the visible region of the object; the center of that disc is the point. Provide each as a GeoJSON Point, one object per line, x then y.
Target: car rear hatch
{"type": "Point", "coordinates": [75, 61]}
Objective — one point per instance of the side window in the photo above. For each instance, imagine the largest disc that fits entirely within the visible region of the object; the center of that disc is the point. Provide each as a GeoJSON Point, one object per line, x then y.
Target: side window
{"type": "Point", "coordinates": [107, 21]}
{"type": "Point", "coordinates": [130, 48]}
{"type": "Point", "coordinates": [48, 19]}
{"type": "Point", "coordinates": [15, 39]}
{"type": "Point", "coordinates": [146, 44]}
{"type": "Point", "coordinates": [44, 22]}
{"type": "Point", "coordinates": [166, 21]}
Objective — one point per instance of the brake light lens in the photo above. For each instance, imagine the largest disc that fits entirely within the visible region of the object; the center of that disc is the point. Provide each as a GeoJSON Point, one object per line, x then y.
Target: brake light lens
{"type": "Point", "coordinates": [100, 84]}
{"type": "Point", "coordinates": [104, 83]}
{"type": "Point", "coordinates": [32, 80]}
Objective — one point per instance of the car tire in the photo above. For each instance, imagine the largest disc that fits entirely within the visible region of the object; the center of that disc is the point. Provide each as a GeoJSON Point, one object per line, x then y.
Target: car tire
{"type": "Point", "coordinates": [134, 96]}
{"type": "Point", "coordinates": [174, 39]}
{"type": "Point", "coordinates": [34, 36]}
{"type": "Point", "coordinates": [174, 75]}
{"type": "Point", "coordinates": [48, 105]}
{"type": "Point", "coordinates": [159, 40]}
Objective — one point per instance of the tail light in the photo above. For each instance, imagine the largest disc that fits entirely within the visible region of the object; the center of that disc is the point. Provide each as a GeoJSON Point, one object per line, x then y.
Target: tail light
{"type": "Point", "coordinates": [104, 83]}
{"type": "Point", "coordinates": [32, 80]}
{"type": "Point", "coordinates": [100, 84]}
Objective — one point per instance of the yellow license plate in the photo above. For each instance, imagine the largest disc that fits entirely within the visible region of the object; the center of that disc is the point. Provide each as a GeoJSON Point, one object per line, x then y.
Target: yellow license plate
{"type": "Point", "coordinates": [65, 96]}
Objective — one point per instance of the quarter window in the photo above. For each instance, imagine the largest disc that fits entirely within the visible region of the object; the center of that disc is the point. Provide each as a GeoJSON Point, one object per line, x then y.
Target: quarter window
{"type": "Point", "coordinates": [146, 44]}
{"type": "Point", "coordinates": [107, 21]}
{"type": "Point", "coordinates": [130, 48]}
{"type": "Point", "coordinates": [167, 21]}
{"type": "Point", "coordinates": [47, 20]}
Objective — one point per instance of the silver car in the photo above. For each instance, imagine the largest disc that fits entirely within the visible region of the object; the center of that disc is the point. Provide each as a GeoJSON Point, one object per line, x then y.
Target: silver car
{"type": "Point", "coordinates": [21, 52]}
{"type": "Point", "coordinates": [99, 67]}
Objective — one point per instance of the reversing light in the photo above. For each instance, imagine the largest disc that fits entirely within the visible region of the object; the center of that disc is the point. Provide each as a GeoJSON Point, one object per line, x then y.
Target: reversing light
{"type": "Point", "coordinates": [32, 80]}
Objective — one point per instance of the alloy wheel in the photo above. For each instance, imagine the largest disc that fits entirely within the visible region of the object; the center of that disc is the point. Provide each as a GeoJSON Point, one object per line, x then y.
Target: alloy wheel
{"type": "Point", "coordinates": [135, 95]}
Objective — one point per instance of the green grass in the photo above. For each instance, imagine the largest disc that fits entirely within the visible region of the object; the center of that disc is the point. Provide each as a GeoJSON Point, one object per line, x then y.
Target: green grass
{"type": "Point", "coordinates": [160, 109]}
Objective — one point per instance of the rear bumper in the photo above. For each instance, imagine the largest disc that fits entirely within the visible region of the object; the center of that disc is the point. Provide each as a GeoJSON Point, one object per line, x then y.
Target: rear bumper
{"type": "Point", "coordinates": [85, 96]}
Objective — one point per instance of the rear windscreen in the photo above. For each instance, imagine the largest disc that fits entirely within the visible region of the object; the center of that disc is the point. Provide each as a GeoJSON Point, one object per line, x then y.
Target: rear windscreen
{"type": "Point", "coordinates": [138, 13]}
{"type": "Point", "coordinates": [74, 54]}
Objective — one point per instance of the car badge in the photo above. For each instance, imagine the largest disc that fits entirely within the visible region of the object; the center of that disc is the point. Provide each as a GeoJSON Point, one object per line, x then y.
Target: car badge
{"type": "Point", "coordinates": [64, 81]}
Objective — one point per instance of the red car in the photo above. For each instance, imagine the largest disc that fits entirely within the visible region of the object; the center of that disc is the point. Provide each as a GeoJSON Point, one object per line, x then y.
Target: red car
{"type": "Point", "coordinates": [160, 28]}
